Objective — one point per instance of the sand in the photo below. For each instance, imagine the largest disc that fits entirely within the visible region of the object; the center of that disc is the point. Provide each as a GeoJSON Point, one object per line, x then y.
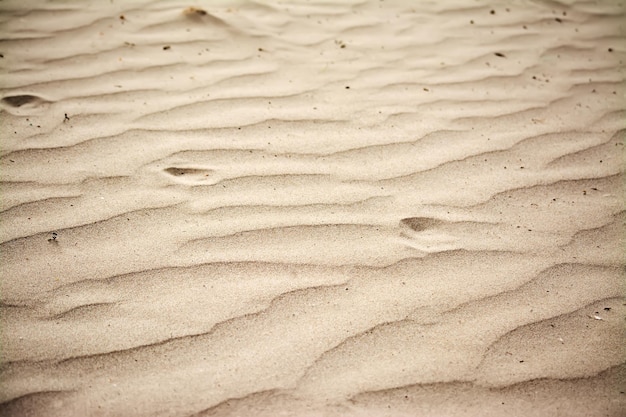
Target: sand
{"type": "Point", "coordinates": [312, 208]}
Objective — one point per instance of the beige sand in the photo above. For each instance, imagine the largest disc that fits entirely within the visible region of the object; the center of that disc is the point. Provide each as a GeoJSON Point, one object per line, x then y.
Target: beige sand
{"type": "Point", "coordinates": [312, 208]}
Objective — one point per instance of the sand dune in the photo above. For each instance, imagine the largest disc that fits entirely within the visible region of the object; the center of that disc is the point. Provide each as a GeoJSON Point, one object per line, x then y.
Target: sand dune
{"type": "Point", "coordinates": [355, 208]}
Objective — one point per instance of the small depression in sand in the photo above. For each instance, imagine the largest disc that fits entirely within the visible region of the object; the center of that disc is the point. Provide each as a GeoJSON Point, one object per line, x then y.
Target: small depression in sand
{"type": "Point", "coordinates": [24, 104]}
{"type": "Point", "coordinates": [192, 176]}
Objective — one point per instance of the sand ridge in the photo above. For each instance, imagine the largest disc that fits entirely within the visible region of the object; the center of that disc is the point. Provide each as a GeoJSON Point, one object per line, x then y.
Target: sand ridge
{"type": "Point", "coordinates": [353, 208]}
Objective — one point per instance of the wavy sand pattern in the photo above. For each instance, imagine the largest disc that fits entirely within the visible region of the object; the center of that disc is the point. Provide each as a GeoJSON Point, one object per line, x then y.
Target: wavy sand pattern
{"type": "Point", "coordinates": [366, 208]}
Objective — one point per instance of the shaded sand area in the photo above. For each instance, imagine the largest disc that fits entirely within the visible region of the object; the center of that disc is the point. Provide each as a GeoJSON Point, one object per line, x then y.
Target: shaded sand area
{"type": "Point", "coordinates": [312, 208]}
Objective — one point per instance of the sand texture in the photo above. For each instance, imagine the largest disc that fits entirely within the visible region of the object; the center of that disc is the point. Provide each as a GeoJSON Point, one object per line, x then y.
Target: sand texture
{"type": "Point", "coordinates": [312, 208]}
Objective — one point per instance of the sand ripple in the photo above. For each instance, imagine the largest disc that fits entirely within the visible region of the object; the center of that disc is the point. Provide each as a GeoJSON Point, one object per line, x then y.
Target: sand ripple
{"type": "Point", "coordinates": [366, 208]}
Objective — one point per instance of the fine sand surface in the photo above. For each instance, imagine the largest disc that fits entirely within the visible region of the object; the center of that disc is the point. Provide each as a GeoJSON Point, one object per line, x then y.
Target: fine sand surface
{"type": "Point", "coordinates": [312, 208]}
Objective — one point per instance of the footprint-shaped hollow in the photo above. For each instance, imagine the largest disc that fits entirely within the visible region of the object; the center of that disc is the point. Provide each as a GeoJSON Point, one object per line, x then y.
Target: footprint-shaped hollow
{"type": "Point", "coordinates": [24, 104]}
{"type": "Point", "coordinates": [21, 100]}
{"type": "Point", "coordinates": [191, 175]}
{"type": "Point", "coordinates": [419, 224]}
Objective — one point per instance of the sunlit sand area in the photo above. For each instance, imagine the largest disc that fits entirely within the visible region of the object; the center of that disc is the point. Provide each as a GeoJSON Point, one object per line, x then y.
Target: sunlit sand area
{"type": "Point", "coordinates": [312, 208]}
